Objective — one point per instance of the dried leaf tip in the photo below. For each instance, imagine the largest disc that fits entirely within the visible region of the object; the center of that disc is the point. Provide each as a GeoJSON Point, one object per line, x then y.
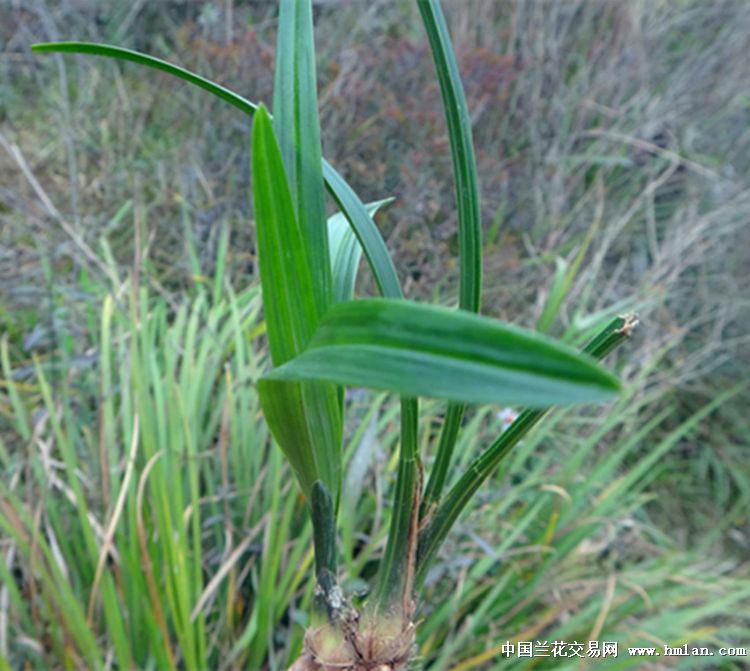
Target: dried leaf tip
{"type": "Point", "coordinates": [630, 322]}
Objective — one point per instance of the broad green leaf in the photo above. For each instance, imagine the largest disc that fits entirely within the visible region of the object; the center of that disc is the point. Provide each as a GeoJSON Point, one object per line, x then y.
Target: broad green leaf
{"type": "Point", "coordinates": [288, 295]}
{"type": "Point", "coordinates": [297, 414]}
{"type": "Point", "coordinates": [425, 350]}
{"type": "Point", "coordinates": [346, 252]}
{"type": "Point", "coordinates": [350, 204]}
{"type": "Point", "coordinates": [295, 108]}
{"type": "Point", "coordinates": [305, 419]}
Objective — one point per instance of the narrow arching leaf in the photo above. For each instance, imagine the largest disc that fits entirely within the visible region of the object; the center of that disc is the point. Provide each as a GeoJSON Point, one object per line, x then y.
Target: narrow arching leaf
{"type": "Point", "coordinates": [350, 204]}
{"type": "Point", "coordinates": [346, 252]}
{"type": "Point", "coordinates": [295, 108]}
{"type": "Point", "coordinates": [305, 419]}
{"type": "Point", "coordinates": [121, 54]}
{"type": "Point", "coordinates": [425, 350]}
{"type": "Point", "coordinates": [462, 152]}
{"type": "Point", "coordinates": [469, 214]}
{"type": "Point", "coordinates": [367, 233]}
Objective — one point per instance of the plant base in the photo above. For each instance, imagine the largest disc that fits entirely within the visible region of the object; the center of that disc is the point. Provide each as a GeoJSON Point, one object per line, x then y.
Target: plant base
{"type": "Point", "coordinates": [379, 645]}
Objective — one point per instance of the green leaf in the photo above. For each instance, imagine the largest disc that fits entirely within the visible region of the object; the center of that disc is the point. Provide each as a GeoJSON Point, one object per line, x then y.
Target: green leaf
{"type": "Point", "coordinates": [443, 516]}
{"type": "Point", "coordinates": [107, 51]}
{"type": "Point", "coordinates": [469, 214]}
{"type": "Point", "coordinates": [295, 108]}
{"type": "Point", "coordinates": [305, 419]}
{"type": "Point", "coordinates": [350, 204]}
{"type": "Point", "coordinates": [462, 152]}
{"type": "Point", "coordinates": [564, 278]}
{"type": "Point", "coordinates": [367, 233]}
{"type": "Point", "coordinates": [424, 350]}
{"type": "Point", "coordinates": [346, 252]}
{"type": "Point", "coordinates": [288, 296]}
{"type": "Point", "coordinates": [556, 296]}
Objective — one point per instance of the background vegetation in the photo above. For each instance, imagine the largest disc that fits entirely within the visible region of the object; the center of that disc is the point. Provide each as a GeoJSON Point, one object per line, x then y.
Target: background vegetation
{"type": "Point", "coordinates": [144, 518]}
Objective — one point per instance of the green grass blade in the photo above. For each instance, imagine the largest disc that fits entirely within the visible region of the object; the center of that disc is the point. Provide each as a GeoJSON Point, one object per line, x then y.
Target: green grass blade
{"type": "Point", "coordinates": [350, 204]}
{"type": "Point", "coordinates": [295, 108]}
{"type": "Point", "coordinates": [557, 294]}
{"type": "Point", "coordinates": [20, 415]}
{"type": "Point", "coordinates": [346, 252]}
{"type": "Point", "coordinates": [563, 280]}
{"type": "Point", "coordinates": [17, 525]}
{"type": "Point", "coordinates": [469, 214]}
{"type": "Point", "coordinates": [220, 267]}
{"type": "Point", "coordinates": [424, 350]}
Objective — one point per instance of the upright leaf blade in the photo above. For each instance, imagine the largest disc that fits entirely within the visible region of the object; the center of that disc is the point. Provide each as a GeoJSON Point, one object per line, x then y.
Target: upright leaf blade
{"type": "Point", "coordinates": [295, 107]}
{"type": "Point", "coordinates": [346, 252]}
{"type": "Point", "coordinates": [288, 294]}
{"type": "Point", "coordinates": [462, 152]}
{"type": "Point", "coordinates": [469, 214]}
{"type": "Point", "coordinates": [555, 298]}
{"type": "Point", "coordinates": [425, 350]}
{"type": "Point", "coordinates": [305, 419]}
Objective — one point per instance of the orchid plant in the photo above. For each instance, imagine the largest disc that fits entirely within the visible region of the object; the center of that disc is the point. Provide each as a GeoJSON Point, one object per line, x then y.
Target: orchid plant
{"type": "Point", "coordinates": [322, 338]}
